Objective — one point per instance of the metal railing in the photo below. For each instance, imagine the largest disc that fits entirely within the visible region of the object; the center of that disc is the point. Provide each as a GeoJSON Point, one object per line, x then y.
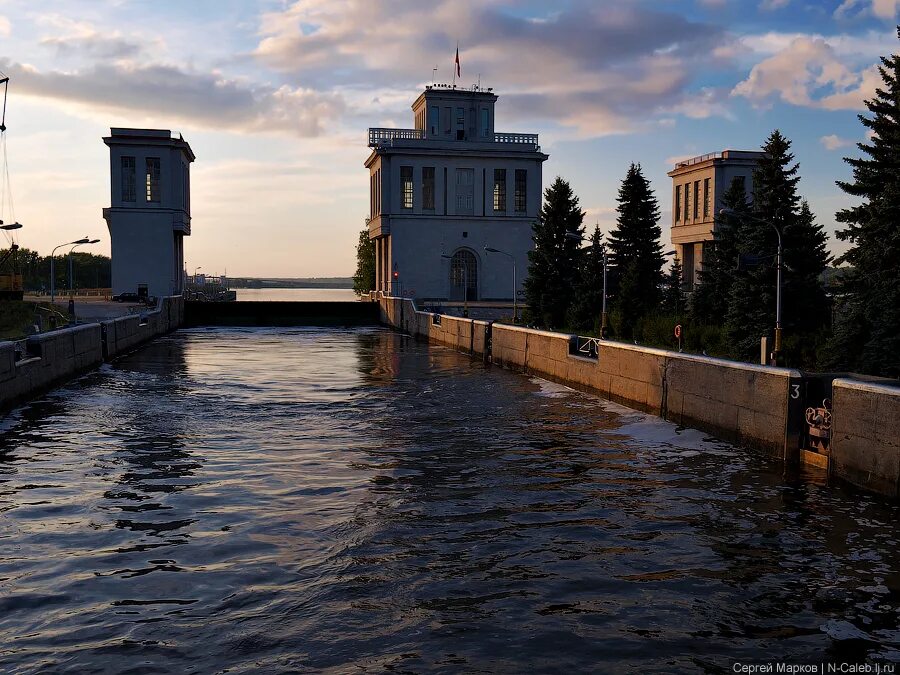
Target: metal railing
{"type": "Point", "coordinates": [386, 136]}
{"type": "Point", "coordinates": [698, 159]}
{"type": "Point", "coordinates": [529, 139]}
{"type": "Point", "coordinates": [588, 347]}
{"type": "Point", "coordinates": [382, 136]}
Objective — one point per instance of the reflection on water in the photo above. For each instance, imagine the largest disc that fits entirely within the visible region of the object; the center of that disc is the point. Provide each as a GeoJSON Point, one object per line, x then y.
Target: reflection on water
{"type": "Point", "coordinates": [324, 500]}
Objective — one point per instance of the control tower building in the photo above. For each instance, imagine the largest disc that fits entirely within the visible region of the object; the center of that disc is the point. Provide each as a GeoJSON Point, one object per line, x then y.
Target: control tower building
{"type": "Point", "coordinates": [443, 191]}
{"type": "Point", "coordinates": [150, 212]}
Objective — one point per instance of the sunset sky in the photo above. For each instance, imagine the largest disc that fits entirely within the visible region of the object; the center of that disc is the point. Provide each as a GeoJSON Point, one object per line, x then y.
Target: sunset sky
{"type": "Point", "coordinates": [275, 99]}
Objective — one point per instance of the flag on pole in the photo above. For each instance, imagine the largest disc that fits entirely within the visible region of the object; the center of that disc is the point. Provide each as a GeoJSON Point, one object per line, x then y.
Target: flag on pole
{"type": "Point", "coordinates": [457, 61]}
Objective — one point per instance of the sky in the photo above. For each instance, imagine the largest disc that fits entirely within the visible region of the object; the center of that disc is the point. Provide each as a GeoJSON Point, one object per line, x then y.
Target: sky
{"type": "Point", "coordinates": [275, 98]}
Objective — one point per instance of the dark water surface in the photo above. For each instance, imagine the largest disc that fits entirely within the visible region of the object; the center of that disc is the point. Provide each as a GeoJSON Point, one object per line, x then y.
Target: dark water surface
{"type": "Point", "coordinates": [353, 501]}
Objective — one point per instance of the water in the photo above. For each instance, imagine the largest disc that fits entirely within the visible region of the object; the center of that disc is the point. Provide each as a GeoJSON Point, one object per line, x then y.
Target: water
{"type": "Point", "coordinates": [353, 501]}
{"type": "Point", "coordinates": [297, 294]}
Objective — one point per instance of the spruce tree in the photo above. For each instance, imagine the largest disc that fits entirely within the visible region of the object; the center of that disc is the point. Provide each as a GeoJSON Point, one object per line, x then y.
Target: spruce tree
{"type": "Point", "coordinates": [867, 334]}
{"type": "Point", "coordinates": [587, 305]}
{"type": "Point", "coordinates": [709, 301]}
{"type": "Point", "coordinates": [673, 292]}
{"type": "Point", "coordinates": [552, 265]}
{"type": "Point", "coordinates": [751, 311]}
{"type": "Point", "coordinates": [635, 252]}
{"type": "Point", "coordinates": [364, 279]}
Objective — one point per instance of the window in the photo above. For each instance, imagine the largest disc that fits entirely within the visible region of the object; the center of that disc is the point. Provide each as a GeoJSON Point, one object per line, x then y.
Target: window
{"type": "Point", "coordinates": [406, 187]}
{"type": "Point", "coordinates": [460, 124]}
{"type": "Point", "coordinates": [705, 198]}
{"type": "Point", "coordinates": [677, 203]}
{"type": "Point", "coordinates": [500, 190]}
{"type": "Point", "coordinates": [434, 119]}
{"type": "Point", "coordinates": [521, 190]}
{"type": "Point", "coordinates": [448, 119]}
{"type": "Point", "coordinates": [153, 179]}
{"type": "Point", "coordinates": [465, 192]}
{"type": "Point", "coordinates": [129, 188]}
{"type": "Point", "coordinates": [687, 201]}
{"type": "Point", "coordinates": [484, 122]}
{"type": "Point", "coordinates": [696, 199]}
{"type": "Point", "coordinates": [428, 188]}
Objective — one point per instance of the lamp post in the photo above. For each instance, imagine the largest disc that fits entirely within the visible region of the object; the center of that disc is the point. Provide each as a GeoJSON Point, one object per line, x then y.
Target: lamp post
{"type": "Point", "coordinates": [515, 286]}
{"type": "Point", "coordinates": [71, 275]}
{"type": "Point", "coordinates": [83, 240]}
{"type": "Point", "coordinates": [198, 267]}
{"type": "Point", "coordinates": [779, 263]}
{"type": "Point", "coordinates": [603, 316]}
{"type": "Point", "coordinates": [465, 282]}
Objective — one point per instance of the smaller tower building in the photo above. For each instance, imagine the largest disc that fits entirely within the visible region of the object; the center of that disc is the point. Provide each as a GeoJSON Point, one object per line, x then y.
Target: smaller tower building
{"type": "Point", "coordinates": [698, 186]}
{"type": "Point", "coordinates": [150, 212]}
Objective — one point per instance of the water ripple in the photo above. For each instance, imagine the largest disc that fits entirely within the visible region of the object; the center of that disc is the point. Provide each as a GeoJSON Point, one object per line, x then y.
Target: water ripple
{"type": "Point", "coordinates": [333, 500]}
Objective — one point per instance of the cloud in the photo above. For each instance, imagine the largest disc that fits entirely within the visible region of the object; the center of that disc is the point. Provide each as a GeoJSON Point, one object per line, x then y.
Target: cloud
{"type": "Point", "coordinates": [769, 5]}
{"type": "Point", "coordinates": [83, 39]}
{"type": "Point", "coordinates": [807, 72]}
{"type": "Point", "coordinates": [883, 9]}
{"type": "Point", "coordinates": [834, 142]}
{"type": "Point", "coordinates": [171, 94]}
{"type": "Point", "coordinates": [5, 27]}
{"type": "Point", "coordinates": [590, 67]}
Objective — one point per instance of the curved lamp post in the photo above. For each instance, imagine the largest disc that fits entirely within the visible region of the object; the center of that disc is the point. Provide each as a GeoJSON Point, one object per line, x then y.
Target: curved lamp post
{"type": "Point", "coordinates": [71, 275]}
{"type": "Point", "coordinates": [603, 315]}
{"type": "Point", "coordinates": [83, 240]}
{"type": "Point", "coordinates": [515, 287]}
{"type": "Point", "coordinates": [728, 213]}
{"type": "Point", "coordinates": [465, 282]}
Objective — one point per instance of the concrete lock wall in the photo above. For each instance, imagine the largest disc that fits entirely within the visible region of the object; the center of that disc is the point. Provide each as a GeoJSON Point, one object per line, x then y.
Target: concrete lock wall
{"type": "Point", "coordinates": [40, 362]}
{"type": "Point", "coordinates": [739, 402]}
{"type": "Point", "coordinates": [865, 440]}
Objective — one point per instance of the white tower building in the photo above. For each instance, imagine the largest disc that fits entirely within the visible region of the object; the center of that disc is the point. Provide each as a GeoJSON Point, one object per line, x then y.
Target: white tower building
{"type": "Point", "coordinates": [150, 212]}
{"type": "Point", "coordinates": [443, 191]}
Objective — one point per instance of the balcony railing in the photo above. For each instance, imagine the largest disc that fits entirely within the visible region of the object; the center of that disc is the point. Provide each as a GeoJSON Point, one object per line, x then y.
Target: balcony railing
{"type": "Point", "coordinates": [697, 160]}
{"type": "Point", "coordinates": [386, 136]}
{"type": "Point", "coordinates": [530, 139]}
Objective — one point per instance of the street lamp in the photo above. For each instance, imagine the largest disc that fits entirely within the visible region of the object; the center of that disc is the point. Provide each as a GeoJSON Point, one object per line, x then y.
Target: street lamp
{"type": "Point", "coordinates": [71, 275]}
{"type": "Point", "coordinates": [83, 240]}
{"type": "Point", "coordinates": [779, 263]}
{"type": "Point", "coordinates": [465, 282]}
{"type": "Point", "coordinates": [603, 316]}
{"type": "Point", "coordinates": [515, 286]}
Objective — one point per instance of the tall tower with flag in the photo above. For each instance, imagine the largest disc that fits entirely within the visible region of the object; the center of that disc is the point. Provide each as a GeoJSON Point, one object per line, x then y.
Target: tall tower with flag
{"type": "Point", "coordinates": [447, 189]}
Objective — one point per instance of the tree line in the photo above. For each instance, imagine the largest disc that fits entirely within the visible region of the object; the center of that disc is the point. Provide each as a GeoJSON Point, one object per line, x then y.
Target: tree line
{"type": "Point", "coordinates": [89, 270]}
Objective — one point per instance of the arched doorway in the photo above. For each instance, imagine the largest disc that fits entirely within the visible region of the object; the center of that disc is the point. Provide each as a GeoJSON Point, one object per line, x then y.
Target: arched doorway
{"type": "Point", "coordinates": [463, 276]}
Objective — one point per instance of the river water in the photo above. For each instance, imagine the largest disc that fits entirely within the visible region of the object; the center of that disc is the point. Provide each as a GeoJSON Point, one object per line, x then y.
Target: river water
{"type": "Point", "coordinates": [353, 501]}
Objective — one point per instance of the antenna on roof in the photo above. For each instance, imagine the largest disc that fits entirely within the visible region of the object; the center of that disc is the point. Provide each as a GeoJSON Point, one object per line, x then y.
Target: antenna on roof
{"type": "Point", "coordinates": [433, 71]}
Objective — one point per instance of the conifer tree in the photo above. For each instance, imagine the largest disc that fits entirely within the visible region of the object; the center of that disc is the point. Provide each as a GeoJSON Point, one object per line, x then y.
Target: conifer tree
{"type": "Point", "coordinates": [751, 310]}
{"type": "Point", "coordinates": [673, 292]}
{"type": "Point", "coordinates": [635, 251]}
{"type": "Point", "coordinates": [587, 305]}
{"type": "Point", "coordinates": [867, 334]}
{"type": "Point", "coordinates": [709, 301]}
{"type": "Point", "coordinates": [552, 264]}
{"type": "Point", "coordinates": [364, 279]}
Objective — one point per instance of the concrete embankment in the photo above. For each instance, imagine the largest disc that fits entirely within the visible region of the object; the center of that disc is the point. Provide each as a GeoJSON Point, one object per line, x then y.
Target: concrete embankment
{"type": "Point", "coordinates": [280, 313]}
{"type": "Point", "coordinates": [40, 362]}
{"type": "Point", "coordinates": [755, 406]}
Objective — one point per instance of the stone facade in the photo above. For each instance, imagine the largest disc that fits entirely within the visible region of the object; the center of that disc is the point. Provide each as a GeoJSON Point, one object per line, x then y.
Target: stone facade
{"type": "Point", "coordinates": [150, 210]}
{"type": "Point", "coordinates": [698, 185]}
{"type": "Point", "coordinates": [442, 192]}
